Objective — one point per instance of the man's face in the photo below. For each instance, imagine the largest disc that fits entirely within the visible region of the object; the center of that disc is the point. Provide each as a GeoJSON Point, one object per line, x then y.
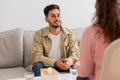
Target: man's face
{"type": "Point", "coordinates": [54, 18]}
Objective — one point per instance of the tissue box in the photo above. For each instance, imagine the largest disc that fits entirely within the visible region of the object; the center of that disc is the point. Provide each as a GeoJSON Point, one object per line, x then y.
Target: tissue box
{"type": "Point", "coordinates": [45, 75]}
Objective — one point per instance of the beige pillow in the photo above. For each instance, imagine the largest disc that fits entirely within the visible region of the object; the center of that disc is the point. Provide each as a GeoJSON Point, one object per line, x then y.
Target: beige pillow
{"type": "Point", "coordinates": [11, 48]}
{"type": "Point", "coordinates": [27, 43]}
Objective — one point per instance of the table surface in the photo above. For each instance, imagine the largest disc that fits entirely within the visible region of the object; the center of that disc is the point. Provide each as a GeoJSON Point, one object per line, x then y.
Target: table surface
{"type": "Point", "coordinates": [63, 76]}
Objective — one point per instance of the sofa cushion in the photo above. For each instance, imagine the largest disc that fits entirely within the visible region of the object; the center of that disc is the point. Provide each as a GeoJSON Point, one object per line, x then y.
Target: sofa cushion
{"type": "Point", "coordinates": [27, 44]}
{"type": "Point", "coordinates": [11, 48]}
{"type": "Point", "coordinates": [11, 73]}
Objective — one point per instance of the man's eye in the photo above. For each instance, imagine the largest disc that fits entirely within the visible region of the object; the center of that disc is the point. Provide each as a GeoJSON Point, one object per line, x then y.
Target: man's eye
{"type": "Point", "coordinates": [52, 16]}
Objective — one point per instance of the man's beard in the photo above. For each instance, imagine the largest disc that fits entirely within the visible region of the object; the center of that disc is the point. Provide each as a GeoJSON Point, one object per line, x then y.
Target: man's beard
{"type": "Point", "coordinates": [55, 26]}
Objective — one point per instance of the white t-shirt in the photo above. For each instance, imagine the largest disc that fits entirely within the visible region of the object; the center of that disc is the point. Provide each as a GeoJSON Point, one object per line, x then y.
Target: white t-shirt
{"type": "Point", "coordinates": [55, 51]}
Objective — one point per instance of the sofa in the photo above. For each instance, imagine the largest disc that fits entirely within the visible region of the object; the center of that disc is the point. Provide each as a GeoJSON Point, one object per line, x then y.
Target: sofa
{"type": "Point", "coordinates": [15, 51]}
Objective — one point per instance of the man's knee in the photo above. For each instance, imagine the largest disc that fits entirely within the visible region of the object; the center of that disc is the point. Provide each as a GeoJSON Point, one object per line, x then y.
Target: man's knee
{"type": "Point", "coordinates": [38, 65]}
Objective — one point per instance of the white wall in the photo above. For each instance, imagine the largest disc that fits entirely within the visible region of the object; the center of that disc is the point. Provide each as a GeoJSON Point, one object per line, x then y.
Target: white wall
{"type": "Point", "coordinates": [28, 14]}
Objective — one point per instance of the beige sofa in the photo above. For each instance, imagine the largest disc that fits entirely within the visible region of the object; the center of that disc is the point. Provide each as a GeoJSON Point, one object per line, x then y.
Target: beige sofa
{"type": "Point", "coordinates": [15, 51]}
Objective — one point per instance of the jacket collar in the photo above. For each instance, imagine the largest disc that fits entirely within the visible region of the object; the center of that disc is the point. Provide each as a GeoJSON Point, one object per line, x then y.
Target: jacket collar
{"type": "Point", "coordinates": [65, 32]}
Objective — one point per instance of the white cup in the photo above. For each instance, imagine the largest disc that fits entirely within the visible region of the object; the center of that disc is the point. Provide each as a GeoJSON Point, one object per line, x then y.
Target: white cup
{"type": "Point", "coordinates": [29, 75]}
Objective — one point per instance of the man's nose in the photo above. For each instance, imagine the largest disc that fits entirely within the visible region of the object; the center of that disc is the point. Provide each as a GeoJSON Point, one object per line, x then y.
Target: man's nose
{"type": "Point", "coordinates": [57, 18]}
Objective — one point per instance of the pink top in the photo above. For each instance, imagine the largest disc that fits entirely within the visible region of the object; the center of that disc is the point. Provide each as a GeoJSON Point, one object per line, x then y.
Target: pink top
{"type": "Point", "coordinates": [91, 53]}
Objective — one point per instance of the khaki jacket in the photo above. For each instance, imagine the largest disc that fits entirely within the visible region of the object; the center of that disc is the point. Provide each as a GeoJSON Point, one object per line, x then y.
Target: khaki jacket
{"type": "Point", "coordinates": [42, 45]}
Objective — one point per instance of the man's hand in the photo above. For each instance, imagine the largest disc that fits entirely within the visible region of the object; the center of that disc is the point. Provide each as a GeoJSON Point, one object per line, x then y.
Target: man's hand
{"type": "Point", "coordinates": [63, 64]}
{"type": "Point", "coordinates": [76, 62]}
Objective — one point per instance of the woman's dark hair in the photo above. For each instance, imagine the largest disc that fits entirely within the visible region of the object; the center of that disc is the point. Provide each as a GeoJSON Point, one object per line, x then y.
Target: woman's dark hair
{"type": "Point", "coordinates": [50, 7]}
{"type": "Point", "coordinates": [107, 18]}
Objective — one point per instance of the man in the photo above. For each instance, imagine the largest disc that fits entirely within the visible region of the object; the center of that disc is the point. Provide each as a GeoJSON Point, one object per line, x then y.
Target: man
{"type": "Point", "coordinates": [53, 45]}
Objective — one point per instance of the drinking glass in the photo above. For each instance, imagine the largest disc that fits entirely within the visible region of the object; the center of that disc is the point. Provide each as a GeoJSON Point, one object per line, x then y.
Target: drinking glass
{"type": "Point", "coordinates": [73, 73]}
{"type": "Point", "coordinates": [29, 75]}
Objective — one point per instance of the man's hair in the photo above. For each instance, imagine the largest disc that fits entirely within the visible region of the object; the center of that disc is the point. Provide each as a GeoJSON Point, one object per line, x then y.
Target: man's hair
{"type": "Point", "coordinates": [107, 18]}
{"type": "Point", "coordinates": [50, 7]}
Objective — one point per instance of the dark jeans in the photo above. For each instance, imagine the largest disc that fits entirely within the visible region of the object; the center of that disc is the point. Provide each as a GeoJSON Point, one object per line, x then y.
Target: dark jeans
{"type": "Point", "coordinates": [37, 66]}
{"type": "Point", "coordinates": [82, 78]}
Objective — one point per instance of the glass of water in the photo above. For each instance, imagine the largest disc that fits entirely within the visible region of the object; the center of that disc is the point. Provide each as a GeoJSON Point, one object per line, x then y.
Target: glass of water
{"type": "Point", "coordinates": [73, 73]}
{"type": "Point", "coordinates": [29, 75]}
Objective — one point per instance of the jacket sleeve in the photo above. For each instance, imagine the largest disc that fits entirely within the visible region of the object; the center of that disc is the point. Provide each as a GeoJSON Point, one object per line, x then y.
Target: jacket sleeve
{"type": "Point", "coordinates": [38, 53]}
{"type": "Point", "coordinates": [73, 47]}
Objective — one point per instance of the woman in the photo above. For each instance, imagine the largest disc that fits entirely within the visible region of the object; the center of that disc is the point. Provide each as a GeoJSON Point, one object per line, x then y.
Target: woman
{"type": "Point", "coordinates": [96, 38]}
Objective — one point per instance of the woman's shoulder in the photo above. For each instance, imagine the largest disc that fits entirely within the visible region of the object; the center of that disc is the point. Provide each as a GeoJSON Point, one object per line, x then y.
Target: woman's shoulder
{"type": "Point", "coordinates": [92, 29]}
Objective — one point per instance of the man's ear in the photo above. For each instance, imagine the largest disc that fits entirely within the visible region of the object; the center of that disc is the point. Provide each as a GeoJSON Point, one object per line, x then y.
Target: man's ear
{"type": "Point", "coordinates": [46, 19]}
